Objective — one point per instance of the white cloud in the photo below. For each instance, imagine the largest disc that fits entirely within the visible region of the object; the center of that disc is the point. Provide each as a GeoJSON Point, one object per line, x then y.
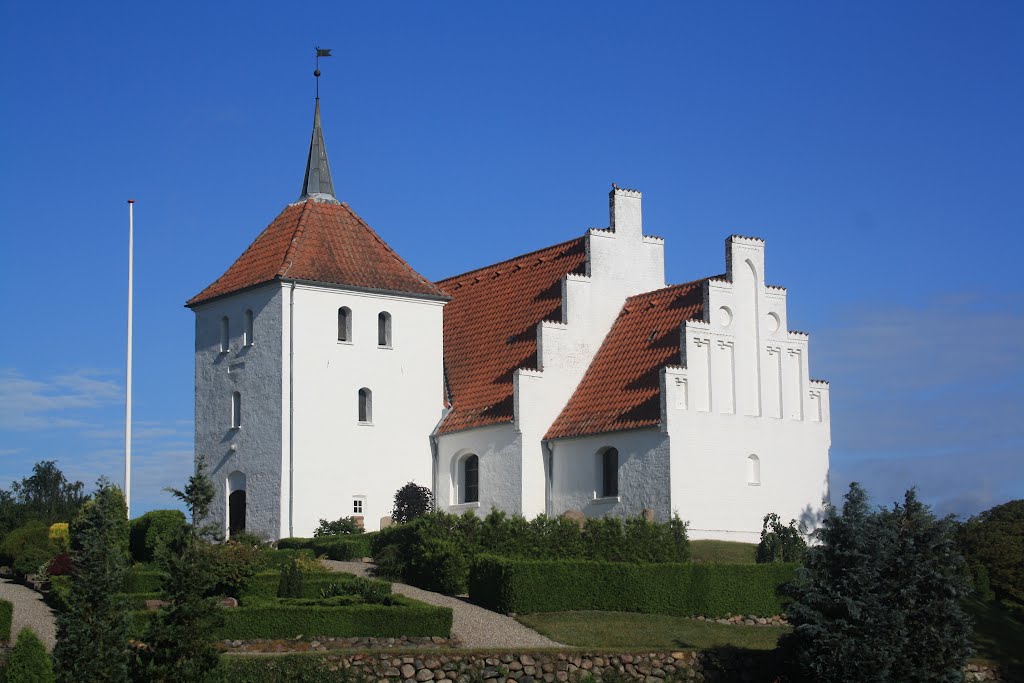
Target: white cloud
{"type": "Point", "coordinates": [59, 402]}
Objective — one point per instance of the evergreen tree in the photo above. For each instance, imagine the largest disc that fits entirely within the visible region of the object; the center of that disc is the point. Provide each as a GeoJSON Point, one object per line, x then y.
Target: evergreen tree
{"type": "Point", "coordinates": [179, 637]}
{"type": "Point", "coordinates": [995, 540]}
{"type": "Point", "coordinates": [29, 661]}
{"type": "Point", "coordinates": [878, 598]}
{"type": "Point", "coordinates": [92, 633]}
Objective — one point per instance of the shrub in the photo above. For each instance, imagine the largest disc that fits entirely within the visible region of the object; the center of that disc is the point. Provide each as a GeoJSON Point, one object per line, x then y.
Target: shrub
{"type": "Point", "coordinates": [879, 598]}
{"type": "Point", "coordinates": [57, 597]}
{"type": "Point", "coordinates": [780, 543]}
{"type": "Point", "coordinates": [6, 614]}
{"type": "Point", "coordinates": [153, 531]}
{"type": "Point", "coordinates": [411, 501]}
{"type": "Point", "coordinates": [291, 585]}
{"type": "Point", "coordinates": [513, 585]}
{"type": "Point", "coordinates": [439, 565]}
{"type": "Point", "coordinates": [995, 539]}
{"type": "Point", "coordinates": [61, 565]}
{"type": "Point", "coordinates": [341, 548]}
{"type": "Point", "coordinates": [265, 584]}
{"type": "Point", "coordinates": [248, 539]}
{"type": "Point", "coordinates": [92, 637]}
{"type": "Point", "coordinates": [60, 536]}
{"type": "Point", "coordinates": [343, 526]}
{"type": "Point", "coordinates": [233, 565]}
{"type": "Point", "coordinates": [978, 576]}
{"type": "Point", "coordinates": [27, 547]}
{"type": "Point", "coordinates": [29, 661]}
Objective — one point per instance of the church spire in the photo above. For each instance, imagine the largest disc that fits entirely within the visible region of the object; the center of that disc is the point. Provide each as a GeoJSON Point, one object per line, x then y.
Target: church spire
{"type": "Point", "coordinates": [317, 182]}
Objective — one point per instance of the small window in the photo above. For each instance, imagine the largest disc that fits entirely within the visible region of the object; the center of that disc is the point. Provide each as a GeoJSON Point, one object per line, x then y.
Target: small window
{"type": "Point", "coordinates": [384, 329]}
{"type": "Point", "coordinates": [224, 336]}
{"type": "Point", "coordinates": [344, 324]}
{"type": "Point", "coordinates": [470, 480]}
{"type": "Point", "coordinates": [365, 406]}
{"type": "Point", "coordinates": [609, 473]}
{"type": "Point", "coordinates": [753, 470]}
{"type": "Point", "coordinates": [248, 339]}
{"type": "Point", "coordinates": [236, 410]}
{"type": "Point", "coordinates": [357, 506]}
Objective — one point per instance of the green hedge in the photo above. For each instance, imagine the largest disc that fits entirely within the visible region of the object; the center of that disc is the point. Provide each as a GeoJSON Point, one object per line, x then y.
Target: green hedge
{"type": "Point", "coordinates": [151, 531]}
{"type": "Point", "coordinates": [300, 667]}
{"type": "Point", "coordinates": [509, 585]}
{"type": "Point", "coordinates": [6, 613]}
{"type": "Point", "coordinates": [342, 548]}
{"type": "Point", "coordinates": [143, 581]}
{"type": "Point", "coordinates": [265, 584]}
{"type": "Point", "coordinates": [275, 619]}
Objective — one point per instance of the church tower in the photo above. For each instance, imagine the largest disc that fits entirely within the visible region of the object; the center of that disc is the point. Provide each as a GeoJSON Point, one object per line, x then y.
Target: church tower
{"type": "Point", "coordinates": [318, 369]}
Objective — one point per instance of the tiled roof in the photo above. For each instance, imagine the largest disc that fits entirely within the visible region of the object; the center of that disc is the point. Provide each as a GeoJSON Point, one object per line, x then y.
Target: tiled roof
{"type": "Point", "coordinates": [490, 329]}
{"type": "Point", "coordinates": [622, 387]}
{"type": "Point", "coordinates": [320, 241]}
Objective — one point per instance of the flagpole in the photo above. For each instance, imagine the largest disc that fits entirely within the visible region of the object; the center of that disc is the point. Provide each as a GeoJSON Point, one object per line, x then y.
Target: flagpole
{"type": "Point", "coordinates": [128, 373]}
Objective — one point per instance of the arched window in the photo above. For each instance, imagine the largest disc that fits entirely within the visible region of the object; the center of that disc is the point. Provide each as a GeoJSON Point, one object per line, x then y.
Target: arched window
{"type": "Point", "coordinates": [236, 410]}
{"type": "Point", "coordinates": [248, 338]}
{"type": "Point", "coordinates": [365, 405]}
{"type": "Point", "coordinates": [224, 338]}
{"type": "Point", "coordinates": [469, 473]}
{"type": "Point", "coordinates": [344, 324]}
{"type": "Point", "coordinates": [236, 503]}
{"type": "Point", "coordinates": [609, 472]}
{"type": "Point", "coordinates": [753, 470]}
{"type": "Point", "coordinates": [384, 329]}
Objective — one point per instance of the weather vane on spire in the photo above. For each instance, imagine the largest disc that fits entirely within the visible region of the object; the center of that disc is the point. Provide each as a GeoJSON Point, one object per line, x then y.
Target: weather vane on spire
{"type": "Point", "coordinates": [320, 52]}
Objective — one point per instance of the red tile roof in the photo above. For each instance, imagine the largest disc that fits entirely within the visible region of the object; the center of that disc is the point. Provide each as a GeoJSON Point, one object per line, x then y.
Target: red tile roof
{"type": "Point", "coordinates": [490, 329]}
{"type": "Point", "coordinates": [319, 241]}
{"type": "Point", "coordinates": [622, 387]}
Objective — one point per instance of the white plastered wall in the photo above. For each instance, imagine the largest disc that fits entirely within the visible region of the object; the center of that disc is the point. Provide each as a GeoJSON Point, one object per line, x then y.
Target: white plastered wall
{"type": "Point", "coordinates": [744, 389]}
{"type": "Point", "coordinates": [497, 447]}
{"type": "Point", "coordinates": [332, 458]}
{"type": "Point", "coordinates": [621, 262]}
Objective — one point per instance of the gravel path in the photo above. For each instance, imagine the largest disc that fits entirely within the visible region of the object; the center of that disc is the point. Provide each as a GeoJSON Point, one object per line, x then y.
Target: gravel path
{"type": "Point", "coordinates": [30, 611]}
{"type": "Point", "coordinates": [473, 626]}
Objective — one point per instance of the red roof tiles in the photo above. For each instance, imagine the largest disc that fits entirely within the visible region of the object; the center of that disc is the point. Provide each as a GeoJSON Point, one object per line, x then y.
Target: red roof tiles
{"type": "Point", "coordinates": [622, 387]}
{"type": "Point", "coordinates": [490, 329]}
{"type": "Point", "coordinates": [320, 242]}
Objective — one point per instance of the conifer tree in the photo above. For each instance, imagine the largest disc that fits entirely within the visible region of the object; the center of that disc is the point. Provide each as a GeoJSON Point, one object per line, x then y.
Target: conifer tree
{"type": "Point", "coordinates": [29, 661]}
{"type": "Point", "coordinates": [92, 633]}
{"type": "Point", "coordinates": [879, 598]}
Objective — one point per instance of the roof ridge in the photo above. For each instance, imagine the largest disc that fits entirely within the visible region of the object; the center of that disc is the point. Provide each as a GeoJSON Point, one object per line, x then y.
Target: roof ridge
{"type": "Point", "coordinates": [509, 260]}
{"type": "Point", "coordinates": [297, 233]}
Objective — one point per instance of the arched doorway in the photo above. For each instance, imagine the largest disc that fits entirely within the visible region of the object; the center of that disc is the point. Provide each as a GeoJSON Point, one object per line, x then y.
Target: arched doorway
{"type": "Point", "coordinates": [236, 503]}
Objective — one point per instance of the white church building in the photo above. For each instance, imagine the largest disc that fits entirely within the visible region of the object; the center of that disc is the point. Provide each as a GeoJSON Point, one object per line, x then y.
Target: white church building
{"type": "Point", "coordinates": [573, 378]}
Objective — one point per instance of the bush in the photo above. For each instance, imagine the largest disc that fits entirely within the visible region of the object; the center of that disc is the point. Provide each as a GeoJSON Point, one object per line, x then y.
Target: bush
{"type": "Point", "coordinates": [27, 548]}
{"type": "Point", "coordinates": [60, 536]}
{"type": "Point", "coordinates": [6, 614]}
{"type": "Point", "coordinates": [151, 532]}
{"type": "Point", "coordinates": [978, 576]}
{"type": "Point", "coordinates": [291, 584]}
{"type": "Point", "coordinates": [437, 549]}
{"type": "Point", "coordinates": [265, 584]}
{"type": "Point", "coordinates": [343, 526]}
{"type": "Point", "coordinates": [780, 543]}
{"type": "Point", "coordinates": [341, 548]}
{"type": "Point", "coordinates": [995, 539]}
{"type": "Point", "coordinates": [60, 589]}
{"type": "Point", "coordinates": [715, 590]}
{"type": "Point", "coordinates": [233, 565]}
{"type": "Point", "coordinates": [29, 661]}
{"type": "Point", "coordinates": [880, 597]}
{"type": "Point", "coordinates": [61, 565]}
{"type": "Point", "coordinates": [411, 501]}
{"type": "Point", "coordinates": [143, 580]}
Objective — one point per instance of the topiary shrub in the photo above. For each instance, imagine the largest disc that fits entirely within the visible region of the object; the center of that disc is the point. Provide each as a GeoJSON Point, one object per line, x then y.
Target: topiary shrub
{"type": "Point", "coordinates": [152, 532]}
{"type": "Point", "coordinates": [291, 584]}
{"type": "Point", "coordinates": [779, 543]}
{"type": "Point", "coordinates": [29, 661]}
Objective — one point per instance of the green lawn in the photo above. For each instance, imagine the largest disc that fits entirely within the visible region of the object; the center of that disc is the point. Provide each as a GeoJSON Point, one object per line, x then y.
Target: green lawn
{"type": "Point", "coordinates": [633, 631]}
{"type": "Point", "coordinates": [729, 552]}
{"type": "Point", "coordinates": [999, 636]}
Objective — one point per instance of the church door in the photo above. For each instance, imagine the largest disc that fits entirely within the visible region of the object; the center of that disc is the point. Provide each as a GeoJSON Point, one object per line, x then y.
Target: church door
{"type": "Point", "coordinates": [236, 512]}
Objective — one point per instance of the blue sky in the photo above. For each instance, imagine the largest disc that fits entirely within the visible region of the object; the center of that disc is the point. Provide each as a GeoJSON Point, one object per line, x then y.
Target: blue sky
{"type": "Point", "coordinates": [877, 147]}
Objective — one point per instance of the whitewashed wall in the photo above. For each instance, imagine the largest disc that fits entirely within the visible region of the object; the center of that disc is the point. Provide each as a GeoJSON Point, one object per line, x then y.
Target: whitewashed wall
{"type": "Point", "coordinates": [500, 481]}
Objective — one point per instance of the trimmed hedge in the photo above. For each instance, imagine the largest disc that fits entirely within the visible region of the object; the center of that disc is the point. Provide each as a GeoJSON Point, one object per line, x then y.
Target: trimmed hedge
{"type": "Point", "coordinates": [714, 590]}
{"type": "Point", "coordinates": [151, 531]}
{"type": "Point", "coordinates": [6, 614]}
{"type": "Point", "coordinates": [143, 581]}
{"type": "Point", "coordinates": [341, 548]}
{"type": "Point", "coordinates": [265, 584]}
{"type": "Point", "coordinates": [278, 619]}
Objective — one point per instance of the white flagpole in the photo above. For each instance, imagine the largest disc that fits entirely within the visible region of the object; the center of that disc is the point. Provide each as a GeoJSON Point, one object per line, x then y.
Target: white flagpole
{"type": "Point", "coordinates": [128, 378]}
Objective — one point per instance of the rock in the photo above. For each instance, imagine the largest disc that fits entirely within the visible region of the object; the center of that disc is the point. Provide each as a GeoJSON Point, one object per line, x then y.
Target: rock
{"type": "Point", "coordinates": [515, 665]}
{"type": "Point", "coordinates": [575, 516]}
{"type": "Point", "coordinates": [392, 672]}
{"type": "Point", "coordinates": [439, 675]}
{"type": "Point", "coordinates": [527, 660]}
{"type": "Point", "coordinates": [315, 644]}
{"type": "Point", "coordinates": [154, 605]}
{"type": "Point", "coordinates": [432, 664]}
{"type": "Point", "coordinates": [424, 675]}
{"type": "Point", "coordinates": [408, 671]}
{"type": "Point", "coordinates": [562, 676]}
{"type": "Point", "coordinates": [648, 514]}
{"type": "Point", "coordinates": [229, 602]}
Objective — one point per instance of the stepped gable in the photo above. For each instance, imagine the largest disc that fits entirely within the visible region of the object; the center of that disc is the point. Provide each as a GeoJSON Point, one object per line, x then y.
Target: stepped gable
{"type": "Point", "coordinates": [622, 387]}
{"type": "Point", "coordinates": [490, 329]}
{"type": "Point", "coordinates": [325, 242]}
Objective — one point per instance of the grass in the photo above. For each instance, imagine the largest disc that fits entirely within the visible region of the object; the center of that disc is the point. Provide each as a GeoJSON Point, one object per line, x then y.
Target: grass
{"type": "Point", "coordinates": [633, 631]}
{"type": "Point", "coordinates": [728, 552]}
{"type": "Point", "coordinates": [999, 636]}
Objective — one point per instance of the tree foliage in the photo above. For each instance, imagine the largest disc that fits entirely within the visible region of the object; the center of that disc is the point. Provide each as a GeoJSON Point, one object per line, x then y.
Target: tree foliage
{"type": "Point", "coordinates": [780, 543]}
{"type": "Point", "coordinates": [92, 633]}
{"type": "Point", "coordinates": [44, 496]}
{"type": "Point", "coordinates": [179, 638]}
{"type": "Point", "coordinates": [29, 661]}
{"type": "Point", "coordinates": [879, 598]}
{"type": "Point", "coordinates": [995, 539]}
{"type": "Point", "coordinates": [345, 525]}
{"type": "Point", "coordinates": [411, 501]}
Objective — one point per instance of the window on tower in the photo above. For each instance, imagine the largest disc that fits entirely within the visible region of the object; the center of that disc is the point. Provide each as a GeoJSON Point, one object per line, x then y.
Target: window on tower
{"type": "Point", "coordinates": [384, 329]}
{"type": "Point", "coordinates": [225, 339]}
{"type": "Point", "coordinates": [236, 410]}
{"type": "Point", "coordinates": [609, 472]}
{"type": "Point", "coordinates": [365, 406]}
{"type": "Point", "coordinates": [753, 470]}
{"type": "Point", "coordinates": [469, 479]}
{"type": "Point", "coordinates": [248, 338]}
{"type": "Point", "coordinates": [344, 324]}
